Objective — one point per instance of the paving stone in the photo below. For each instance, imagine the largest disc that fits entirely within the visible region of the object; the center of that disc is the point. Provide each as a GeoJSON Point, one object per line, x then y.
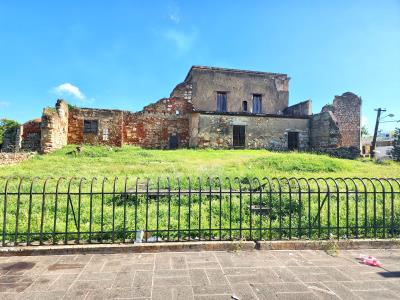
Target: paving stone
{"type": "Point", "coordinates": [123, 280]}
{"type": "Point", "coordinates": [373, 295]}
{"type": "Point", "coordinates": [201, 275]}
{"type": "Point", "coordinates": [172, 293]}
{"type": "Point", "coordinates": [198, 277]}
{"type": "Point", "coordinates": [243, 291]}
{"type": "Point", "coordinates": [170, 281]}
{"type": "Point", "coordinates": [63, 282]}
{"type": "Point", "coordinates": [212, 290]}
{"type": "Point", "coordinates": [91, 284]}
{"type": "Point", "coordinates": [341, 291]}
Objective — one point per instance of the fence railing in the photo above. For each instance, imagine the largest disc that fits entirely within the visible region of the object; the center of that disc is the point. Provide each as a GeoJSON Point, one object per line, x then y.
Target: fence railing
{"type": "Point", "coordinates": [126, 210]}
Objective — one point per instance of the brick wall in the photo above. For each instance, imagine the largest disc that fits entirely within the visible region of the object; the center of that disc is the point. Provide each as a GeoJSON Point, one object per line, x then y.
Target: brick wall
{"type": "Point", "coordinates": [109, 131]}
{"type": "Point", "coordinates": [153, 127]}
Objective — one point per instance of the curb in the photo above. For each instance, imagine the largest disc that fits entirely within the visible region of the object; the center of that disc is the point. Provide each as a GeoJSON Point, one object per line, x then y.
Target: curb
{"type": "Point", "coordinates": [126, 248]}
{"type": "Point", "coordinates": [199, 246]}
{"type": "Point", "coordinates": [328, 244]}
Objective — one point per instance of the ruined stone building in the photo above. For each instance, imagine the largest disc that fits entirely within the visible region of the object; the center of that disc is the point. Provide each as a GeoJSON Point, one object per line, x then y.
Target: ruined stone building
{"type": "Point", "coordinates": [211, 108]}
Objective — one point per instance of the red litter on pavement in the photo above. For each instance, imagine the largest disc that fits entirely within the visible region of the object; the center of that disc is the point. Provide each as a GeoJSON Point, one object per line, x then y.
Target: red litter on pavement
{"type": "Point", "coordinates": [370, 260]}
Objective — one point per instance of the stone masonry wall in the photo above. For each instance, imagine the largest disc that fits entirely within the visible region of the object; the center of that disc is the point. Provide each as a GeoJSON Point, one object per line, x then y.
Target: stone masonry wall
{"type": "Point", "coordinates": [153, 127]}
{"type": "Point", "coordinates": [110, 127]}
{"type": "Point", "coordinates": [347, 110]}
{"type": "Point", "coordinates": [301, 109]}
{"type": "Point", "coordinates": [216, 131]}
{"type": "Point", "coordinates": [30, 134]}
{"type": "Point", "coordinates": [325, 132]}
{"type": "Point", "coordinates": [54, 127]}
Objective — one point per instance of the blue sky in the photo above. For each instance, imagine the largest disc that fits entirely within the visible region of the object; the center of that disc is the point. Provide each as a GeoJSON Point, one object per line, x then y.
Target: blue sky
{"type": "Point", "coordinates": [126, 54]}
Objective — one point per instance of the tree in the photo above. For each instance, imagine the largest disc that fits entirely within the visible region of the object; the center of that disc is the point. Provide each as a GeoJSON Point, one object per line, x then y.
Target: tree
{"type": "Point", "coordinates": [364, 131]}
{"type": "Point", "coordinates": [396, 145]}
{"type": "Point", "coordinates": [5, 125]}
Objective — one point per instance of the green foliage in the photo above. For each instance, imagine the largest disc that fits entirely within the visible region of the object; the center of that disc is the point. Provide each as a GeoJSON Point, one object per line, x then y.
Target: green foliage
{"type": "Point", "coordinates": [5, 125]}
{"type": "Point", "coordinates": [364, 131]}
{"type": "Point", "coordinates": [396, 146]}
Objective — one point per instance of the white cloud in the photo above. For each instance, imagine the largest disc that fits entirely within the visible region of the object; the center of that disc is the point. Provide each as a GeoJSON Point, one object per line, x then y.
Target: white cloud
{"type": "Point", "coordinates": [69, 89]}
{"type": "Point", "coordinates": [174, 14]}
{"type": "Point", "coordinates": [174, 17]}
{"type": "Point", "coordinates": [183, 41]}
{"type": "Point", "coordinates": [4, 104]}
{"type": "Point", "coordinates": [364, 121]}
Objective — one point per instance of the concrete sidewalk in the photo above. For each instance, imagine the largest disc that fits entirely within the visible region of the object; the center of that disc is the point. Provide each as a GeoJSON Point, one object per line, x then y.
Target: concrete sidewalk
{"type": "Point", "coordinates": [202, 275]}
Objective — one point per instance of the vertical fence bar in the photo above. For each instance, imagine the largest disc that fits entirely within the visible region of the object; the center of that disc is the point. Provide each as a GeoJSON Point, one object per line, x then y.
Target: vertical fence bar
{"type": "Point", "coordinates": [189, 203]}
{"type": "Point", "coordinates": [280, 207]}
{"type": "Point", "coordinates": [55, 211]}
{"type": "Point", "coordinates": [220, 208]}
{"type": "Point", "coordinates": [113, 210]}
{"type": "Point", "coordinates": [91, 210]}
{"type": "Point", "coordinates": [42, 212]}
{"type": "Point", "coordinates": [5, 212]}
{"type": "Point", "coordinates": [169, 209]}
{"type": "Point", "coordinates": [230, 207]}
{"type": "Point", "coordinates": [157, 208]}
{"type": "Point", "coordinates": [290, 208]}
{"type": "Point", "coordinates": [125, 199]}
{"type": "Point", "coordinates": [356, 206]}
{"type": "Point", "coordinates": [28, 238]}
{"type": "Point", "coordinates": [79, 209]}
{"type": "Point", "coordinates": [240, 206]}
{"type": "Point", "coordinates": [136, 205]}
{"type": "Point", "coordinates": [259, 208]}
{"type": "Point", "coordinates": [147, 209]}
{"type": "Point", "coordinates": [67, 211]}
{"type": "Point", "coordinates": [209, 208]}
{"type": "Point", "coordinates": [102, 209]}
{"type": "Point", "coordinates": [179, 209]}
{"type": "Point", "coordinates": [299, 207]}
{"type": "Point", "coordinates": [17, 212]}
{"type": "Point", "coordinates": [251, 208]}
{"type": "Point", "coordinates": [200, 200]}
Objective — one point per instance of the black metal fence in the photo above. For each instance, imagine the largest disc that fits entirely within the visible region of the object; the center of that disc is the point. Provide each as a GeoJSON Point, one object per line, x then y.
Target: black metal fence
{"type": "Point", "coordinates": [78, 210]}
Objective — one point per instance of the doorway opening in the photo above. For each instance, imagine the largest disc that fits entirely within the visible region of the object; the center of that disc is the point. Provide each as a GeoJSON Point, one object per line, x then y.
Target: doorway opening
{"type": "Point", "coordinates": [173, 142]}
{"type": "Point", "coordinates": [239, 136]}
{"type": "Point", "coordinates": [293, 141]}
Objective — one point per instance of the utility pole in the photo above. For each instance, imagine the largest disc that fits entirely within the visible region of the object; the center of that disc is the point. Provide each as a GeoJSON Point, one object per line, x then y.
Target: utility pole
{"type": "Point", "coordinates": [378, 117]}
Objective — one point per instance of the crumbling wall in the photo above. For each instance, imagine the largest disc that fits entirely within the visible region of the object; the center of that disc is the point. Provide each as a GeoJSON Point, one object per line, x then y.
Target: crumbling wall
{"type": "Point", "coordinates": [262, 132]}
{"type": "Point", "coordinates": [157, 123]}
{"type": "Point", "coordinates": [109, 129]}
{"type": "Point", "coordinates": [337, 129]}
{"type": "Point", "coordinates": [30, 135]}
{"type": "Point", "coordinates": [301, 109]}
{"type": "Point", "coordinates": [10, 140]}
{"type": "Point", "coordinates": [347, 110]}
{"type": "Point", "coordinates": [325, 132]}
{"type": "Point", "coordinates": [54, 127]}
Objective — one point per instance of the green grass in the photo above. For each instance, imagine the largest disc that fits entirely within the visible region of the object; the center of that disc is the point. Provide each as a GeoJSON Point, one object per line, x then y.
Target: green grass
{"type": "Point", "coordinates": [132, 161]}
{"type": "Point", "coordinates": [287, 216]}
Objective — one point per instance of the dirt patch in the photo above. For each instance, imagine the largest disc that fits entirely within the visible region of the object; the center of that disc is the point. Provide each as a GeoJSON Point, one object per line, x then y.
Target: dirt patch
{"type": "Point", "coordinates": [64, 266]}
{"type": "Point", "coordinates": [13, 158]}
{"type": "Point", "coordinates": [16, 267]}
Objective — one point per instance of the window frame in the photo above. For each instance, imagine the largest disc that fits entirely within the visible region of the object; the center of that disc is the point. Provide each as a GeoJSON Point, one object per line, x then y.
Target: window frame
{"type": "Point", "coordinates": [223, 107]}
{"type": "Point", "coordinates": [257, 109]}
{"type": "Point", "coordinates": [245, 104]}
{"type": "Point", "coordinates": [89, 128]}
